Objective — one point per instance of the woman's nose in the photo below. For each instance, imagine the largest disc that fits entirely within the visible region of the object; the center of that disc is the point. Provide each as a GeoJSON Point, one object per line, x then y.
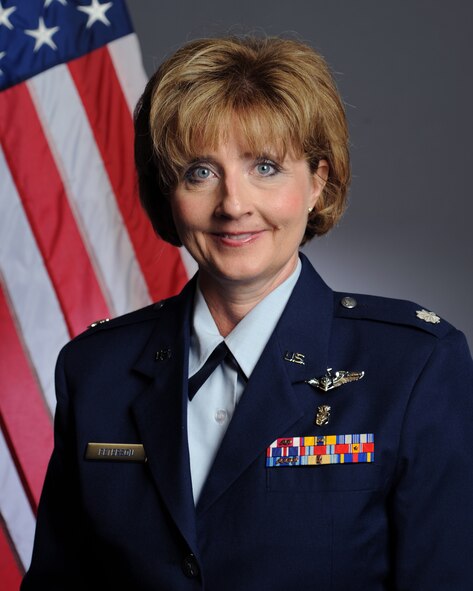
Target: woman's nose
{"type": "Point", "coordinates": [235, 197]}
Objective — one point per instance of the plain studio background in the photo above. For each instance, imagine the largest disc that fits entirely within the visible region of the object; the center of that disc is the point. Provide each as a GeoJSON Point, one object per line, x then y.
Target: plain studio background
{"type": "Point", "coordinates": [404, 71]}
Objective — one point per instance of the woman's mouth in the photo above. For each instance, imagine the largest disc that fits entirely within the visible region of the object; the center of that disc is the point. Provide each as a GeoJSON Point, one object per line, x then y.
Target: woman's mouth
{"type": "Point", "coordinates": [238, 236]}
{"type": "Point", "coordinates": [237, 239]}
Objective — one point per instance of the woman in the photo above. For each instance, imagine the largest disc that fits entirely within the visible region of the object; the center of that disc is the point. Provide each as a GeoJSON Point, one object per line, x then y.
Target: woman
{"type": "Point", "coordinates": [325, 445]}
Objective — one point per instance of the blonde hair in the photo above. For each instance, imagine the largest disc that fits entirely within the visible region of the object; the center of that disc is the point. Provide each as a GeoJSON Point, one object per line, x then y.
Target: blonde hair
{"type": "Point", "coordinates": [280, 92]}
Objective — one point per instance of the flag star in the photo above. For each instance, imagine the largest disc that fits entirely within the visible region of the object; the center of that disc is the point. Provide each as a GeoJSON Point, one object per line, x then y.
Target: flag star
{"type": "Point", "coordinates": [96, 12]}
{"type": "Point", "coordinates": [43, 35]}
{"type": "Point", "coordinates": [5, 14]}
{"type": "Point", "coordinates": [49, 2]}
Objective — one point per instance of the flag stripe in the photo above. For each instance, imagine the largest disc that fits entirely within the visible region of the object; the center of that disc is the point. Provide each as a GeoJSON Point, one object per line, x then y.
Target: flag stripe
{"type": "Point", "coordinates": [25, 420]}
{"type": "Point", "coordinates": [14, 506]}
{"type": "Point", "coordinates": [30, 291]}
{"type": "Point", "coordinates": [62, 114]}
{"type": "Point", "coordinates": [11, 569]}
{"type": "Point", "coordinates": [44, 200]}
{"type": "Point", "coordinates": [109, 117]}
{"type": "Point", "coordinates": [126, 58]}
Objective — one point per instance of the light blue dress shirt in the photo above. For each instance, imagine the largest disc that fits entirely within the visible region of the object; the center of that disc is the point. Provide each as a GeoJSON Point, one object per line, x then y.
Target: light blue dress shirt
{"type": "Point", "coordinates": [211, 409]}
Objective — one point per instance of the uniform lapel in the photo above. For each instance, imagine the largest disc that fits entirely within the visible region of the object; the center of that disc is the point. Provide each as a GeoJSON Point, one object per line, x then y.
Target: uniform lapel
{"type": "Point", "coordinates": [161, 410]}
{"type": "Point", "coordinates": [305, 327]}
{"type": "Point", "coordinates": [269, 406]}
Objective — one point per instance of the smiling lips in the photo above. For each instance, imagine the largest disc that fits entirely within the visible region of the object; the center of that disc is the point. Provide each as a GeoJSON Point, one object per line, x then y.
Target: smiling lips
{"type": "Point", "coordinates": [234, 239]}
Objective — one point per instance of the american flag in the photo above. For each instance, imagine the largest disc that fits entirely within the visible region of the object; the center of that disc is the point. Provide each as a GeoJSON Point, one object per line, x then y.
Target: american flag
{"type": "Point", "coordinates": [75, 245]}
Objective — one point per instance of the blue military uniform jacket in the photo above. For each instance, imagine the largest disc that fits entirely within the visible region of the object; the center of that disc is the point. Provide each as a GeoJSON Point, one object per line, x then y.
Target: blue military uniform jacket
{"type": "Point", "coordinates": [402, 521]}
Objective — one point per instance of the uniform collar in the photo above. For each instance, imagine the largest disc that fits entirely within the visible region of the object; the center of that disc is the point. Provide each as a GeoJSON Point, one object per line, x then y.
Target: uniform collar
{"type": "Point", "coordinates": [249, 338]}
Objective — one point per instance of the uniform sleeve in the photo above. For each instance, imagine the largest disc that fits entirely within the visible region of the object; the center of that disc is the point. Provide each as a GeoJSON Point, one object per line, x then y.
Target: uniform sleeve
{"type": "Point", "coordinates": [432, 499]}
{"type": "Point", "coordinates": [58, 538]}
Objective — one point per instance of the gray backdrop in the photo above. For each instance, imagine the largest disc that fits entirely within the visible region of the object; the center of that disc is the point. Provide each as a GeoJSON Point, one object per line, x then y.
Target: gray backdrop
{"type": "Point", "coordinates": [404, 70]}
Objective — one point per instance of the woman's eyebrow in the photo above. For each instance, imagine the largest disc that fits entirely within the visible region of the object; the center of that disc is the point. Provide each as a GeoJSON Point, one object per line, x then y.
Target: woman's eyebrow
{"type": "Point", "coordinates": [203, 158]}
{"type": "Point", "coordinates": [245, 155]}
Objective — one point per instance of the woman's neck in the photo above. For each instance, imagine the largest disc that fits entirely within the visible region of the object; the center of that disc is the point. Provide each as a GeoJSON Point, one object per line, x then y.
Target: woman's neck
{"type": "Point", "coordinates": [229, 302]}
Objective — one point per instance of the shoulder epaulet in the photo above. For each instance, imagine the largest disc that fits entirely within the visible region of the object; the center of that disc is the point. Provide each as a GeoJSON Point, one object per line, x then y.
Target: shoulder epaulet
{"type": "Point", "coordinates": [141, 315]}
{"type": "Point", "coordinates": [391, 311]}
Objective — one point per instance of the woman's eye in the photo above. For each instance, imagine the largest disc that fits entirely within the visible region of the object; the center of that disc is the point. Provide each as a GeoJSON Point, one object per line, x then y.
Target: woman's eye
{"type": "Point", "coordinates": [202, 173]}
{"type": "Point", "coordinates": [266, 168]}
{"type": "Point", "coordinates": [198, 173]}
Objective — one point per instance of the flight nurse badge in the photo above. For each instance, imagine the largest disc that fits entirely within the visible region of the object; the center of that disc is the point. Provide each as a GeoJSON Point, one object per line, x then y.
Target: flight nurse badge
{"type": "Point", "coordinates": [332, 380]}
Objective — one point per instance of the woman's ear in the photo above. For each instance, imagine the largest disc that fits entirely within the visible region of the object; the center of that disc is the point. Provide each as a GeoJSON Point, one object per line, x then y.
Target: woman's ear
{"type": "Point", "coordinates": [319, 179]}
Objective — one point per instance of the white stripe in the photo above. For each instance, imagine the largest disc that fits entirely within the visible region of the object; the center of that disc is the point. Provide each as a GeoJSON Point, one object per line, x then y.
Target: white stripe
{"type": "Point", "coordinates": [29, 288]}
{"type": "Point", "coordinates": [14, 506]}
{"type": "Point", "coordinates": [126, 57]}
{"type": "Point", "coordinates": [87, 185]}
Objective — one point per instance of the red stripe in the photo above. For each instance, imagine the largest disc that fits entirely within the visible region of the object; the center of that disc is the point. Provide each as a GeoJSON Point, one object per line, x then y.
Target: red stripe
{"type": "Point", "coordinates": [45, 202]}
{"type": "Point", "coordinates": [109, 117]}
{"type": "Point", "coordinates": [24, 417]}
{"type": "Point", "coordinates": [11, 571]}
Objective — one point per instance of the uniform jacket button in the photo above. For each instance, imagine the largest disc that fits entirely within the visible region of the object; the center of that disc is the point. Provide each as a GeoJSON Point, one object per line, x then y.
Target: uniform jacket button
{"type": "Point", "coordinates": [349, 302]}
{"type": "Point", "coordinates": [190, 567]}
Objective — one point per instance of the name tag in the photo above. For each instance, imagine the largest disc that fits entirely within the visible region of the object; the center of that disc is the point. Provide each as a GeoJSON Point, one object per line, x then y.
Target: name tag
{"type": "Point", "coordinates": [118, 452]}
{"type": "Point", "coordinates": [316, 450]}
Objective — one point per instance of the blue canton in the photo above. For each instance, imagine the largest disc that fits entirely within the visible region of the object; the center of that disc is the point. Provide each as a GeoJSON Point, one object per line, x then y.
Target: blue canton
{"type": "Point", "coordinates": [36, 35]}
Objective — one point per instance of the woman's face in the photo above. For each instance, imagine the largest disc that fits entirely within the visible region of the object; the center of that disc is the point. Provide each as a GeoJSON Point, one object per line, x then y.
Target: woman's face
{"type": "Point", "coordinates": [242, 217]}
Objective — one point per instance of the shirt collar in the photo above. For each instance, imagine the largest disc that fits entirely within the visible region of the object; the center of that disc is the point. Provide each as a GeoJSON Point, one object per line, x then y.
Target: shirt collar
{"type": "Point", "coordinates": [255, 328]}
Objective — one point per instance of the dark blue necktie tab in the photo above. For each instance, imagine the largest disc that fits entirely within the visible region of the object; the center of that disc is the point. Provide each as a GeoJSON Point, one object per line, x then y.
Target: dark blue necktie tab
{"type": "Point", "coordinates": [220, 352]}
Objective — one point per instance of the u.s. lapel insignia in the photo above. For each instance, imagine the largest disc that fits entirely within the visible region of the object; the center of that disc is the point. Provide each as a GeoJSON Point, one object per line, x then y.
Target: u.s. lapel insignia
{"type": "Point", "coordinates": [323, 415]}
{"type": "Point", "coordinates": [163, 355]}
{"type": "Point", "coordinates": [330, 380]}
{"type": "Point", "coordinates": [298, 358]}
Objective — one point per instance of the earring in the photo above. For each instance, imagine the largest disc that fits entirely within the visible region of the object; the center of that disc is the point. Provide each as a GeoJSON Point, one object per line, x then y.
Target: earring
{"type": "Point", "coordinates": [311, 209]}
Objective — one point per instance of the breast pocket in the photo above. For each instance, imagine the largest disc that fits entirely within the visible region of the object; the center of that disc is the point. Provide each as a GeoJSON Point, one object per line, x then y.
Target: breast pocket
{"type": "Point", "coordinates": [338, 477]}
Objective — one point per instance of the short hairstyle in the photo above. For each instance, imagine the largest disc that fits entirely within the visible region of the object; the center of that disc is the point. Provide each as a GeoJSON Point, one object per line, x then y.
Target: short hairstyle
{"type": "Point", "coordinates": [280, 91]}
